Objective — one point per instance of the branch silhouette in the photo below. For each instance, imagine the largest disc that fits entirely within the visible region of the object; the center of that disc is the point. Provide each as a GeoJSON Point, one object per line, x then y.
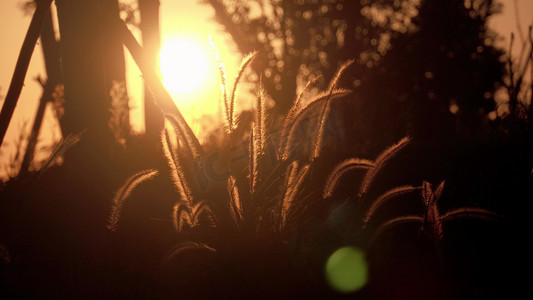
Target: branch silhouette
{"type": "Point", "coordinates": [21, 68]}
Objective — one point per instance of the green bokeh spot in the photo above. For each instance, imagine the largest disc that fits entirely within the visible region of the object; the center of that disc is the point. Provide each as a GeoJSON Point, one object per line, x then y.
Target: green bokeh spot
{"type": "Point", "coordinates": [347, 270]}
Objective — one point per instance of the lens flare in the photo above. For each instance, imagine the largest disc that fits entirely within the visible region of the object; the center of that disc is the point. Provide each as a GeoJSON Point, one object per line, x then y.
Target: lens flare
{"type": "Point", "coordinates": [347, 270]}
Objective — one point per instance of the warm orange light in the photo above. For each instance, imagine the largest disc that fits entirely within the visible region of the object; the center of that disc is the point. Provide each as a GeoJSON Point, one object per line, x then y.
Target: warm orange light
{"type": "Point", "coordinates": [184, 66]}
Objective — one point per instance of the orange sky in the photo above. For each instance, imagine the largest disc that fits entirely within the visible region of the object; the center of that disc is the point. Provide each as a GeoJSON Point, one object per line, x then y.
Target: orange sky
{"type": "Point", "coordinates": [184, 18]}
{"type": "Point", "coordinates": [179, 19]}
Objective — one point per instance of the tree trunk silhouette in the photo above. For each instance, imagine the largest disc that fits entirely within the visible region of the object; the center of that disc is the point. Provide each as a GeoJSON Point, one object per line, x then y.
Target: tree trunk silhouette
{"type": "Point", "coordinates": [53, 70]}
{"type": "Point", "coordinates": [92, 60]}
{"type": "Point", "coordinates": [21, 67]}
{"type": "Point", "coordinates": [153, 119]}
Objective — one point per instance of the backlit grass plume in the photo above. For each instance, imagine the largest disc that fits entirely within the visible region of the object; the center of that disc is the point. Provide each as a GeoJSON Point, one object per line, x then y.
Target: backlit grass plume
{"type": "Point", "coordinates": [235, 206]}
{"type": "Point", "coordinates": [260, 198]}
{"type": "Point", "coordinates": [223, 84]}
{"type": "Point", "coordinates": [288, 136]}
{"type": "Point", "coordinates": [229, 104]}
{"type": "Point", "coordinates": [192, 146]}
{"type": "Point", "coordinates": [391, 194]}
{"type": "Point", "coordinates": [326, 107]}
{"type": "Point", "coordinates": [176, 170]}
{"type": "Point", "coordinates": [294, 179]}
{"type": "Point", "coordinates": [341, 169]}
{"type": "Point", "coordinates": [432, 221]}
{"type": "Point", "coordinates": [180, 248]}
{"type": "Point", "coordinates": [59, 150]}
{"type": "Point", "coordinates": [230, 107]}
{"type": "Point", "coordinates": [257, 139]}
{"type": "Point", "coordinates": [123, 193]}
{"type": "Point", "coordinates": [373, 168]}
{"type": "Point", "coordinates": [291, 115]}
{"type": "Point", "coordinates": [260, 136]}
{"type": "Point", "coordinates": [380, 162]}
{"type": "Point", "coordinates": [184, 213]}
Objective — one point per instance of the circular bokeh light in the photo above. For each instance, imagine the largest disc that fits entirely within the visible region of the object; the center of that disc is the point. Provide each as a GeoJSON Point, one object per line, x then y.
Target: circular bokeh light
{"type": "Point", "coordinates": [347, 270]}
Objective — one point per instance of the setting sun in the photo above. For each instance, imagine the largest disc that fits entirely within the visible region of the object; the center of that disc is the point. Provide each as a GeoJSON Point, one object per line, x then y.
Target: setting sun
{"type": "Point", "coordinates": [184, 66]}
{"type": "Point", "coordinates": [248, 149]}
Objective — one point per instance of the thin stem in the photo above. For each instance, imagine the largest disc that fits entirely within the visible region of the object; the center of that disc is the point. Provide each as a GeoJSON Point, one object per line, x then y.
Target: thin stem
{"type": "Point", "coordinates": [162, 97]}
{"type": "Point", "coordinates": [21, 67]}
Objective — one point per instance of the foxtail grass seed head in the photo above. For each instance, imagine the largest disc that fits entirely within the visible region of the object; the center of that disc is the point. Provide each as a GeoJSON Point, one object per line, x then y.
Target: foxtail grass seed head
{"type": "Point", "coordinates": [191, 144]}
{"type": "Point", "coordinates": [223, 87]}
{"type": "Point", "coordinates": [260, 119]}
{"type": "Point", "coordinates": [289, 119]}
{"type": "Point", "coordinates": [326, 108]}
{"type": "Point", "coordinates": [341, 169]}
{"type": "Point", "coordinates": [176, 172]}
{"type": "Point", "coordinates": [391, 194]}
{"type": "Point", "coordinates": [231, 106]}
{"type": "Point", "coordinates": [181, 215]}
{"type": "Point", "coordinates": [184, 213]}
{"type": "Point", "coordinates": [380, 162]}
{"type": "Point", "coordinates": [393, 223]}
{"type": "Point", "coordinates": [123, 193]}
{"type": "Point", "coordinates": [294, 183]}
{"type": "Point", "coordinates": [235, 202]}
{"type": "Point", "coordinates": [313, 103]}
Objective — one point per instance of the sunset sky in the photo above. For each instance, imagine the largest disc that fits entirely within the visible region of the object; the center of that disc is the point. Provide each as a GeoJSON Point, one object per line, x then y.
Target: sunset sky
{"type": "Point", "coordinates": [181, 21]}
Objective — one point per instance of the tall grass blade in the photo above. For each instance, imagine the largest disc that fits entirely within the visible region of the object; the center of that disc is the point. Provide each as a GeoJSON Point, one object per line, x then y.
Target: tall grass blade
{"type": "Point", "coordinates": [231, 106]}
{"type": "Point", "coordinates": [289, 119]}
{"type": "Point", "coordinates": [393, 223]}
{"type": "Point", "coordinates": [391, 194]}
{"type": "Point", "coordinates": [253, 158]}
{"type": "Point", "coordinates": [433, 219]}
{"type": "Point", "coordinates": [193, 146]}
{"type": "Point", "coordinates": [294, 182]}
{"type": "Point", "coordinates": [325, 110]}
{"type": "Point", "coordinates": [201, 208]}
{"type": "Point", "coordinates": [60, 149]}
{"type": "Point", "coordinates": [181, 215]}
{"type": "Point", "coordinates": [379, 163]}
{"type": "Point", "coordinates": [234, 201]}
{"type": "Point", "coordinates": [260, 120]}
{"type": "Point", "coordinates": [184, 213]}
{"type": "Point", "coordinates": [123, 193]}
{"type": "Point", "coordinates": [177, 250]}
{"type": "Point", "coordinates": [313, 103]}
{"type": "Point", "coordinates": [427, 193]}
{"type": "Point", "coordinates": [176, 171]}
{"type": "Point", "coordinates": [472, 212]}
{"type": "Point", "coordinates": [223, 86]}
{"type": "Point", "coordinates": [341, 169]}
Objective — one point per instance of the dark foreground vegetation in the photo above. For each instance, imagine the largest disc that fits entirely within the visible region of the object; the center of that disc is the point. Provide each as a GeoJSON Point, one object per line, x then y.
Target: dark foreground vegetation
{"type": "Point", "coordinates": [434, 192]}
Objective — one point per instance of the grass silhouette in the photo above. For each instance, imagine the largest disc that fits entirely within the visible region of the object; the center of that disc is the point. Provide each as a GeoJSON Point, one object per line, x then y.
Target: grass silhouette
{"type": "Point", "coordinates": [268, 225]}
{"type": "Point", "coordinates": [266, 202]}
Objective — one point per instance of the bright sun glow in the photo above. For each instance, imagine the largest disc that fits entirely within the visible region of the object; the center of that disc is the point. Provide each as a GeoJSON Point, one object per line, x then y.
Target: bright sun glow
{"type": "Point", "coordinates": [184, 66]}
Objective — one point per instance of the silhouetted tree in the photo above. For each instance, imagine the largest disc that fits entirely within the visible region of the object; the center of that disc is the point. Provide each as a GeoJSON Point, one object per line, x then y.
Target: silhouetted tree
{"type": "Point", "coordinates": [21, 67]}
{"type": "Point", "coordinates": [302, 37]}
{"type": "Point", "coordinates": [94, 73]}
{"type": "Point", "coordinates": [149, 25]}
{"type": "Point", "coordinates": [52, 64]}
{"type": "Point", "coordinates": [439, 80]}
{"type": "Point", "coordinates": [425, 68]}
